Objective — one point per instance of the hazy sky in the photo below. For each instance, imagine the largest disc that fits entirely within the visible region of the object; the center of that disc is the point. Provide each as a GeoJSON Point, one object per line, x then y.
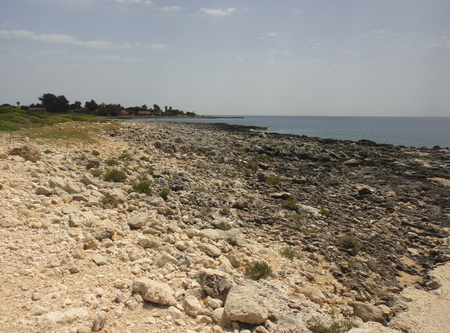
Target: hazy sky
{"type": "Point", "coordinates": [266, 57]}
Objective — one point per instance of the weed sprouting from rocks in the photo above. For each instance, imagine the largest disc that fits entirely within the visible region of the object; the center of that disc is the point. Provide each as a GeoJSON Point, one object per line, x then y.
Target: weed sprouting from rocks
{"type": "Point", "coordinates": [111, 162]}
{"type": "Point", "coordinates": [273, 180]}
{"type": "Point", "coordinates": [95, 153]}
{"type": "Point", "coordinates": [109, 199]}
{"type": "Point", "coordinates": [96, 173]}
{"type": "Point", "coordinates": [325, 212]}
{"type": "Point", "coordinates": [125, 157]}
{"type": "Point", "coordinates": [142, 187]}
{"type": "Point", "coordinates": [114, 175]}
{"type": "Point", "coordinates": [349, 242]}
{"type": "Point", "coordinates": [289, 253]}
{"type": "Point", "coordinates": [316, 326]}
{"type": "Point", "coordinates": [290, 204]}
{"type": "Point", "coordinates": [259, 270]}
{"type": "Point", "coordinates": [164, 193]}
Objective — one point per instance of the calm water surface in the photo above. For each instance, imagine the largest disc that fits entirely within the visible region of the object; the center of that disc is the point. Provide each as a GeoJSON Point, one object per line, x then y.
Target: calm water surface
{"type": "Point", "coordinates": [406, 131]}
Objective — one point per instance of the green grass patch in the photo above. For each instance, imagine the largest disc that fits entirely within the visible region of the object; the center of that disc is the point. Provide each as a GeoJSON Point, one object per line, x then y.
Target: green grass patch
{"type": "Point", "coordinates": [13, 119]}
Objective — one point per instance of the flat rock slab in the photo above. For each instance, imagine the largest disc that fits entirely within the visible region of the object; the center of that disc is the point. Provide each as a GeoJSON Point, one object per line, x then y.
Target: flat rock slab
{"type": "Point", "coordinates": [245, 305]}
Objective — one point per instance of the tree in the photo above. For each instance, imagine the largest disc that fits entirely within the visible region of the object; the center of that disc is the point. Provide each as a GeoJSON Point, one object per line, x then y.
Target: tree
{"type": "Point", "coordinates": [109, 109]}
{"type": "Point", "coordinates": [91, 106]}
{"type": "Point", "coordinates": [75, 106]}
{"type": "Point", "coordinates": [54, 103]}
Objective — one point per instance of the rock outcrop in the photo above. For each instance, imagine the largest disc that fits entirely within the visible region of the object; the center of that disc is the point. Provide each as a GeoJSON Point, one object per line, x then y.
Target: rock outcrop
{"type": "Point", "coordinates": [152, 226]}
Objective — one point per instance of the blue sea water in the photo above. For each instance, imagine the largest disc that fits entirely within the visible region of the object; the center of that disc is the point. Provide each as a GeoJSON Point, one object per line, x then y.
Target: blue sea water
{"type": "Point", "coordinates": [405, 131]}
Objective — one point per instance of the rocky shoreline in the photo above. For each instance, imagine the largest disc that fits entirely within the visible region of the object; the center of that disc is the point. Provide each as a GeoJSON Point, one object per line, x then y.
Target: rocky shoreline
{"type": "Point", "coordinates": [153, 226]}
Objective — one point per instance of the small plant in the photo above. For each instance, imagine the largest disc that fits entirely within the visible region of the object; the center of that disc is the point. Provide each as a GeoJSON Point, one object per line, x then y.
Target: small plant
{"type": "Point", "coordinates": [316, 326]}
{"type": "Point", "coordinates": [289, 253]}
{"type": "Point", "coordinates": [290, 204]}
{"type": "Point", "coordinates": [295, 217]}
{"type": "Point", "coordinates": [1, 186]}
{"type": "Point", "coordinates": [350, 264]}
{"type": "Point", "coordinates": [325, 212]}
{"type": "Point", "coordinates": [273, 180]}
{"type": "Point", "coordinates": [125, 157]}
{"type": "Point", "coordinates": [142, 187]}
{"type": "Point", "coordinates": [259, 270]}
{"type": "Point", "coordinates": [249, 198]}
{"type": "Point", "coordinates": [252, 165]}
{"type": "Point", "coordinates": [164, 193]}
{"type": "Point", "coordinates": [111, 162]}
{"type": "Point", "coordinates": [96, 173]}
{"type": "Point", "coordinates": [225, 211]}
{"type": "Point", "coordinates": [47, 151]}
{"type": "Point", "coordinates": [95, 153]}
{"type": "Point", "coordinates": [349, 242]}
{"type": "Point", "coordinates": [109, 199]}
{"type": "Point", "coordinates": [115, 175]}
{"type": "Point", "coordinates": [144, 158]}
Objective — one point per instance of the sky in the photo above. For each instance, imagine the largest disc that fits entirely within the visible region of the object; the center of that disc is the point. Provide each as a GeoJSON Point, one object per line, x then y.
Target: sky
{"type": "Point", "coordinates": [229, 57]}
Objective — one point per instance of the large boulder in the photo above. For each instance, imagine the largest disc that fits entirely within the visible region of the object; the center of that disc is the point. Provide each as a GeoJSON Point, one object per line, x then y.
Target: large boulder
{"type": "Point", "coordinates": [243, 304]}
{"type": "Point", "coordinates": [29, 152]}
{"type": "Point", "coordinates": [154, 291]}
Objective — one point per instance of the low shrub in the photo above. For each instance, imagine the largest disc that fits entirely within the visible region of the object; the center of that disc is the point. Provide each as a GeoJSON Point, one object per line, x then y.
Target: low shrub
{"type": "Point", "coordinates": [164, 193]}
{"type": "Point", "coordinates": [115, 175]}
{"type": "Point", "coordinates": [109, 199]}
{"type": "Point", "coordinates": [125, 157]}
{"type": "Point", "coordinates": [142, 187]}
{"type": "Point", "coordinates": [289, 253]}
{"type": "Point", "coordinates": [290, 204]}
{"type": "Point", "coordinates": [111, 162]}
{"type": "Point", "coordinates": [316, 326]}
{"type": "Point", "coordinates": [95, 153]}
{"type": "Point", "coordinates": [96, 173]}
{"type": "Point", "coordinates": [273, 180]}
{"type": "Point", "coordinates": [349, 242]}
{"type": "Point", "coordinates": [259, 270]}
{"type": "Point", "coordinates": [325, 212]}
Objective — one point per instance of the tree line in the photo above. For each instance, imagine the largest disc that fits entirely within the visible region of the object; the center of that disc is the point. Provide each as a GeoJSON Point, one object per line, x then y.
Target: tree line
{"type": "Point", "coordinates": [60, 104]}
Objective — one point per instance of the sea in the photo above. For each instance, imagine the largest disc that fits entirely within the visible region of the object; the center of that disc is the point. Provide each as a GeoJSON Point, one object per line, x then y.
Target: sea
{"type": "Point", "coordinates": [400, 131]}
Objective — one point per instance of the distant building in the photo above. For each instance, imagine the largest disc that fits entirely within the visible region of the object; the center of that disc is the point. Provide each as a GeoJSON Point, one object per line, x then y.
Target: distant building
{"type": "Point", "coordinates": [124, 113]}
{"type": "Point", "coordinates": [144, 113]}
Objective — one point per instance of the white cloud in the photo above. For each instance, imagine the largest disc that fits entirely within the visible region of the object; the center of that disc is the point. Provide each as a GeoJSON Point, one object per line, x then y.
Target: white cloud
{"type": "Point", "coordinates": [158, 46]}
{"type": "Point", "coordinates": [442, 42]}
{"type": "Point", "coordinates": [70, 40]}
{"type": "Point", "coordinates": [143, 2]}
{"type": "Point", "coordinates": [170, 9]}
{"type": "Point", "coordinates": [272, 34]}
{"type": "Point", "coordinates": [217, 11]}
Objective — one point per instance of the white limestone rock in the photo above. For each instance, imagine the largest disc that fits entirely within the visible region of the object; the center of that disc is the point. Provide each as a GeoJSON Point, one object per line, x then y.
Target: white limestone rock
{"type": "Point", "coordinates": [154, 291]}
{"type": "Point", "coordinates": [245, 305]}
